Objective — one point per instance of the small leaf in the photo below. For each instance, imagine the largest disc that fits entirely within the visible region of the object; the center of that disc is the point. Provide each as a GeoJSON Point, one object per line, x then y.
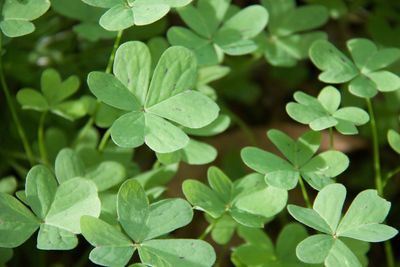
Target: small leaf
{"type": "Point", "coordinates": [310, 218]}
{"type": "Point", "coordinates": [394, 140]}
{"type": "Point", "coordinates": [129, 130]}
{"type": "Point", "coordinates": [32, 99]}
{"type": "Point", "coordinates": [220, 183]}
{"type": "Point", "coordinates": [68, 165]}
{"type": "Point", "coordinates": [54, 238]}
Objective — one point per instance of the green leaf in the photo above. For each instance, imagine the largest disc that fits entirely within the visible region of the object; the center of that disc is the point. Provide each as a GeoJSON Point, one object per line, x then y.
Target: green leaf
{"type": "Point", "coordinates": [54, 238]}
{"type": "Point", "coordinates": [54, 89]}
{"type": "Point", "coordinates": [162, 136]}
{"type": "Point", "coordinates": [8, 185]}
{"type": "Point", "coordinates": [190, 109]}
{"type": "Point", "coordinates": [330, 97]}
{"type": "Point", "coordinates": [133, 209]}
{"type": "Point", "coordinates": [218, 126]}
{"type": "Point", "coordinates": [132, 67]}
{"type": "Point", "coordinates": [196, 20]}
{"type": "Point", "coordinates": [220, 183]}
{"type": "Point", "coordinates": [288, 239]}
{"type": "Point", "coordinates": [329, 203]}
{"type": "Point", "coordinates": [32, 99]}
{"type": "Point", "coordinates": [336, 67]}
{"type": "Point", "coordinates": [73, 199]}
{"type": "Point", "coordinates": [223, 230]}
{"type": "Point", "coordinates": [394, 140]}
{"type": "Point", "coordinates": [362, 86]}
{"type": "Point", "coordinates": [385, 81]}
{"type": "Point", "coordinates": [129, 130]}
{"type": "Point", "coordinates": [146, 12]}
{"type": "Point", "coordinates": [40, 190]}
{"type": "Point", "coordinates": [310, 218]}
{"type": "Point", "coordinates": [111, 246]}
{"type": "Point", "coordinates": [68, 165]}
{"type": "Point", "coordinates": [18, 223]}
{"type": "Point", "coordinates": [177, 252]}
{"type": "Point", "coordinates": [117, 18]}
{"type": "Point", "coordinates": [107, 174]}
{"type": "Point", "coordinates": [111, 91]}
{"type": "Point", "coordinates": [363, 219]}
{"type": "Point", "coordinates": [203, 198]}
{"type": "Point", "coordinates": [166, 216]}
{"type": "Point", "coordinates": [247, 219]}
{"type": "Point", "coordinates": [16, 28]}
{"type": "Point", "coordinates": [174, 73]}
{"type": "Point", "coordinates": [198, 153]}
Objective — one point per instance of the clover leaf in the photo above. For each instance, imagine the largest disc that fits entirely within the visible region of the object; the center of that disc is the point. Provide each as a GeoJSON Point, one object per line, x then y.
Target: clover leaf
{"type": "Point", "coordinates": [323, 112]}
{"type": "Point", "coordinates": [53, 96]}
{"type": "Point", "coordinates": [394, 140]}
{"type": "Point", "coordinates": [290, 34]}
{"type": "Point", "coordinates": [260, 251]}
{"type": "Point", "coordinates": [365, 74]}
{"type": "Point", "coordinates": [196, 152]}
{"type": "Point", "coordinates": [316, 170]}
{"type": "Point", "coordinates": [141, 223]}
{"type": "Point", "coordinates": [362, 221]}
{"type": "Point", "coordinates": [122, 14]}
{"type": "Point", "coordinates": [8, 184]}
{"type": "Point", "coordinates": [249, 201]}
{"type": "Point", "coordinates": [17, 16]}
{"type": "Point", "coordinates": [150, 107]}
{"type": "Point", "coordinates": [56, 211]}
{"type": "Point", "coordinates": [213, 33]}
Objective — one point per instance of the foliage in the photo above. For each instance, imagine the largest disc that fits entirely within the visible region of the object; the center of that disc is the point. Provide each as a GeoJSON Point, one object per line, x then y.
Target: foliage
{"type": "Point", "coordinates": [97, 163]}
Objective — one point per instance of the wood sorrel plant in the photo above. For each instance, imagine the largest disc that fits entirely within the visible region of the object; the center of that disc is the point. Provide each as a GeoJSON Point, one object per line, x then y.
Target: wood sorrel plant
{"type": "Point", "coordinates": [97, 163]}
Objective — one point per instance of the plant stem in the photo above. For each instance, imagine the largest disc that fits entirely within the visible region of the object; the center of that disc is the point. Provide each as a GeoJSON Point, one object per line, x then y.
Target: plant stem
{"type": "Point", "coordinates": [41, 144]}
{"type": "Point", "coordinates": [208, 230]}
{"type": "Point", "coordinates": [331, 139]}
{"type": "Point", "coordinates": [104, 140]}
{"type": "Point", "coordinates": [112, 56]}
{"type": "Point", "coordinates": [375, 144]}
{"type": "Point", "coordinates": [304, 192]}
{"type": "Point", "coordinates": [83, 131]}
{"type": "Point", "coordinates": [378, 173]}
{"type": "Point", "coordinates": [390, 175]}
{"type": "Point", "coordinates": [14, 115]}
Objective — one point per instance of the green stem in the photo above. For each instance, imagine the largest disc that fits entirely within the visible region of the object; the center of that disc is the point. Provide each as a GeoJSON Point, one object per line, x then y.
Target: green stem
{"type": "Point", "coordinates": [112, 56]}
{"type": "Point", "coordinates": [375, 144]}
{"type": "Point", "coordinates": [41, 144]}
{"type": "Point", "coordinates": [390, 175]}
{"type": "Point", "coordinates": [83, 131]}
{"type": "Point", "coordinates": [331, 139]}
{"type": "Point", "coordinates": [14, 115]}
{"type": "Point", "coordinates": [104, 140]}
{"type": "Point", "coordinates": [304, 192]}
{"type": "Point", "coordinates": [378, 174]}
{"type": "Point", "coordinates": [208, 230]}
{"type": "Point", "coordinates": [156, 165]}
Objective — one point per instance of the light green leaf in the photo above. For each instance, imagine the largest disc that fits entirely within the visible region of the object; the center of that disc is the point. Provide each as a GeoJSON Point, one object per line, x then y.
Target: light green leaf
{"type": "Point", "coordinates": [315, 249]}
{"type": "Point", "coordinates": [196, 20]}
{"type": "Point", "coordinates": [290, 236]}
{"type": "Point", "coordinates": [54, 238]}
{"type": "Point", "coordinates": [198, 153]}
{"type": "Point", "coordinates": [18, 222]}
{"type": "Point", "coordinates": [218, 126]}
{"type": "Point", "coordinates": [146, 12]}
{"type": "Point", "coordinates": [162, 136]}
{"type": "Point", "coordinates": [107, 174]}
{"type": "Point", "coordinates": [394, 140]}
{"type": "Point", "coordinates": [223, 230]}
{"type": "Point", "coordinates": [32, 99]}
{"type": "Point", "coordinates": [174, 73]}
{"type": "Point", "coordinates": [40, 190]}
{"type": "Point", "coordinates": [133, 209]}
{"type": "Point", "coordinates": [119, 17]}
{"type": "Point", "coordinates": [220, 183]}
{"type": "Point", "coordinates": [111, 246]}
{"type": "Point", "coordinates": [190, 109]}
{"type": "Point", "coordinates": [310, 218]}
{"type": "Point", "coordinates": [203, 198]}
{"type": "Point", "coordinates": [132, 67]}
{"type": "Point", "coordinates": [336, 67]}
{"type": "Point", "coordinates": [16, 27]}
{"type": "Point", "coordinates": [177, 252]}
{"type": "Point", "coordinates": [8, 185]}
{"type": "Point", "coordinates": [247, 219]}
{"type": "Point", "coordinates": [54, 89]}
{"type": "Point", "coordinates": [362, 86]}
{"type": "Point", "coordinates": [74, 198]}
{"type": "Point", "coordinates": [68, 165]}
{"type": "Point", "coordinates": [330, 97]}
{"type": "Point", "coordinates": [385, 81]}
{"type": "Point", "coordinates": [329, 203]}
{"type": "Point", "coordinates": [111, 91]}
{"type": "Point", "coordinates": [129, 130]}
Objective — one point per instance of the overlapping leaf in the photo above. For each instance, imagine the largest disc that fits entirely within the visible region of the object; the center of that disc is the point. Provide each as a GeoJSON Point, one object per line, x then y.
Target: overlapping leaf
{"type": "Point", "coordinates": [394, 140]}
{"type": "Point", "coordinates": [290, 34]}
{"type": "Point", "coordinates": [365, 73]}
{"type": "Point", "coordinates": [316, 170]}
{"type": "Point", "coordinates": [363, 221]}
{"type": "Point", "coordinates": [212, 33]}
{"type": "Point", "coordinates": [153, 108]}
{"type": "Point", "coordinates": [54, 96]}
{"type": "Point", "coordinates": [323, 112]}
{"type": "Point", "coordinates": [56, 211]}
{"type": "Point", "coordinates": [142, 222]}
{"type": "Point", "coordinates": [122, 14]}
{"type": "Point", "coordinates": [17, 16]}
{"type": "Point", "coordinates": [249, 201]}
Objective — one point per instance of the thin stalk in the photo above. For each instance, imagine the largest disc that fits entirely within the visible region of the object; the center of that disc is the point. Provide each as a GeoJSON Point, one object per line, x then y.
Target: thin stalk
{"type": "Point", "coordinates": [331, 139]}
{"type": "Point", "coordinates": [375, 144]}
{"type": "Point", "coordinates": [112, 56]}
{"type": "Point", "coordinates": [378, 173]}
{"type": "Point", "coordinates": [14, 115]}
{"type": "Point", "coordinates": [208, 230]}
{"type": "Point", "coordinates": [104, 140]}
{"type": "Point", "coordinates": [41, 144]}
{"type": "Point", "coordinates": [304, 192]}
{"type": "Point", "coordinates": [390, 175]}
